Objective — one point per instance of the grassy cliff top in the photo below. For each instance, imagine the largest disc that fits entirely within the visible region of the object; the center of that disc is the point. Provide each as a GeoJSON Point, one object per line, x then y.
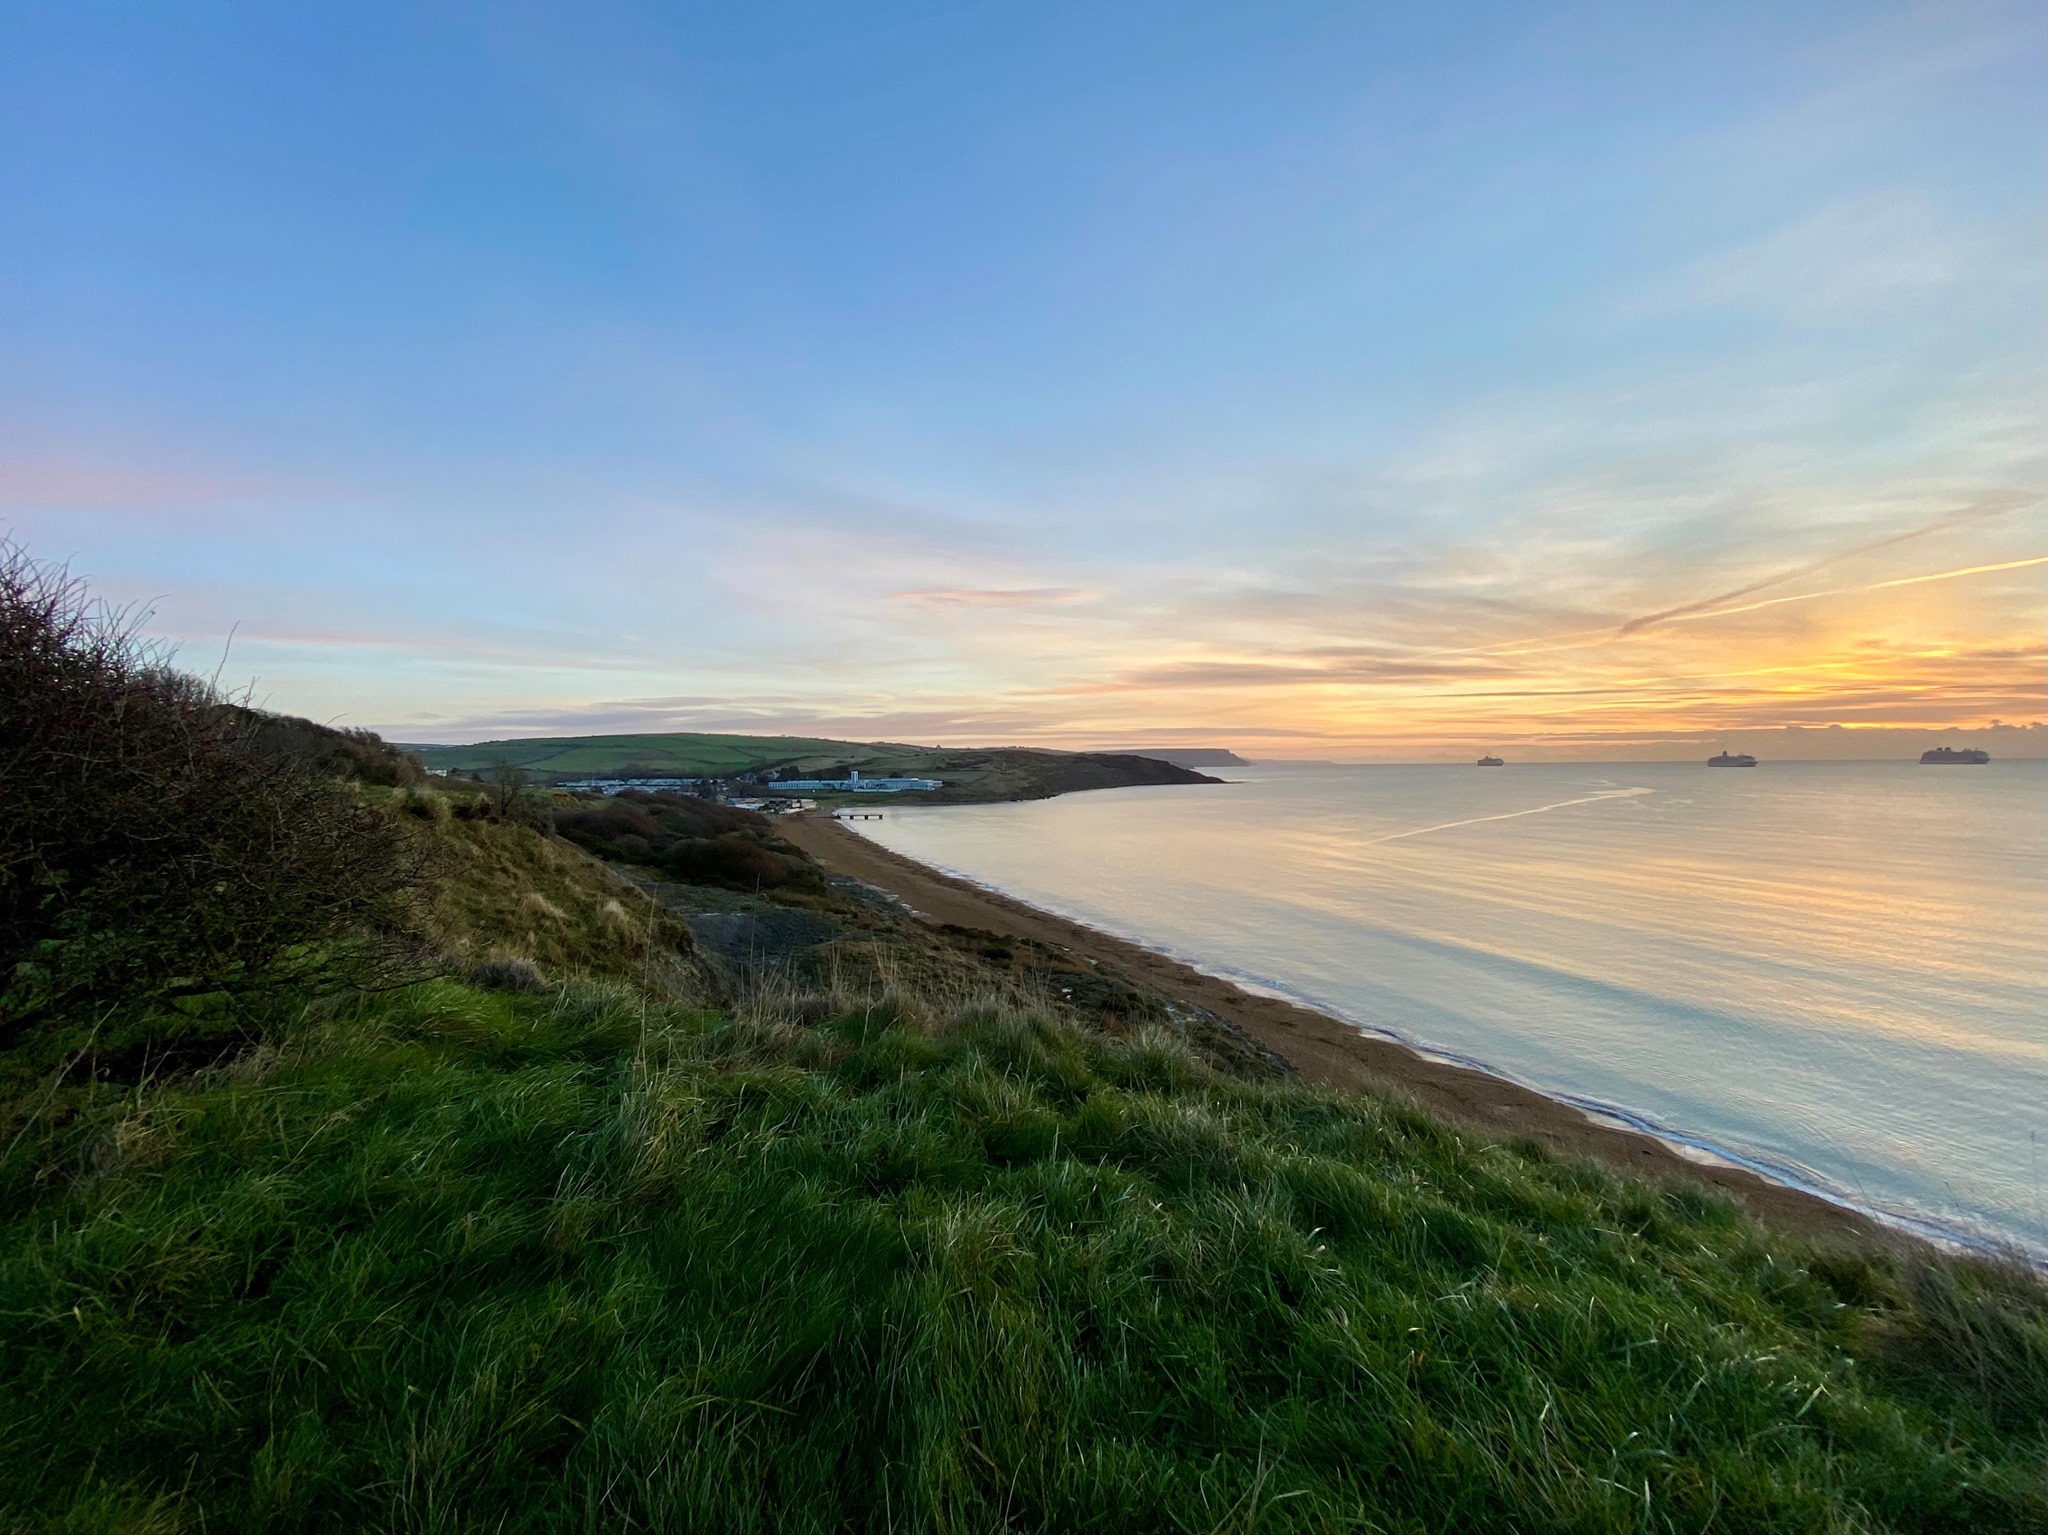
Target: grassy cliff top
{"type": "Point", "coordinates": [683, 753]}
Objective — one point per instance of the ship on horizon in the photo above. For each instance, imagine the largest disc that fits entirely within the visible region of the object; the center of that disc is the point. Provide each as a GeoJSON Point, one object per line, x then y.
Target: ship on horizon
{"type": "Point", "coordinates": [1732, 759]}
{"type": "Point", "coordinates": [1975, 756]}
{"type": "Point", "coordinates": [1491, 762]}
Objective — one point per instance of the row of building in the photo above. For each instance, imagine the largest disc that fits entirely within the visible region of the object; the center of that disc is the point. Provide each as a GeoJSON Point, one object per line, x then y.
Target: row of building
{"type": "Point", "coordinates": [853, 783]}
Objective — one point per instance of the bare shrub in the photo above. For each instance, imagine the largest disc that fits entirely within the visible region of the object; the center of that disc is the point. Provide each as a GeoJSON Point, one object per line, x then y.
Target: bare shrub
{"type": "Point", "coordinates": [421, 805]}
{"type": "Point", "coordinates": [516, 798]}
{"type": "Point", "coordinates": [153, 848]}
{"type": "Point", "coordinates": [690, 841]}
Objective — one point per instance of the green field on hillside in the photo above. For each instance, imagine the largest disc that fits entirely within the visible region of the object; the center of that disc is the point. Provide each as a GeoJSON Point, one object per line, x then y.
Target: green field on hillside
{"type": "Point", "coordinates": [682, 754]}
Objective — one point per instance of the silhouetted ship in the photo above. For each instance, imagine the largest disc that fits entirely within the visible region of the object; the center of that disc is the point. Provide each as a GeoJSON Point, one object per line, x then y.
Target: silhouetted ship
{"type": "Point", "coordinates": [1732, 759]}
{"type": "Point", "coordinates": [1950, 754]}
{"type": "Point", "coordinates": [1491, 762]}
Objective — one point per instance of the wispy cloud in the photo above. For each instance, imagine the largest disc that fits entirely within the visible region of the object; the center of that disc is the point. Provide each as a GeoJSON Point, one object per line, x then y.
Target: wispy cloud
{"type": "Point", "coordinates": [1705, 605]}
{"type": "Point", "coordinates": [990, 597]}
{"type": "Point", "coordinates": [1868, 251]}
{"type": "Point", "coordinates": [1684, 615]}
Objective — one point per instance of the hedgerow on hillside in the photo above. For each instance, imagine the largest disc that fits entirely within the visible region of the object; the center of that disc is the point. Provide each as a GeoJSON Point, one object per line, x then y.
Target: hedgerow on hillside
{"type": "Point", "coordinates": [159, 847]}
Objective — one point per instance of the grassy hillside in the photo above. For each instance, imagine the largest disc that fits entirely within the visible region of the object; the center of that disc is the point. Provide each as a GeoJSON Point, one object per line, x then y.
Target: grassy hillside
{"type": "Point", "coordinates": [507, 891]}
{"type": "Point", "coordinates": [969, 774]}
{"type": "Point", "coordinates": [461, 1259]}
{"type": "Point", "coordinates": [681, 754]}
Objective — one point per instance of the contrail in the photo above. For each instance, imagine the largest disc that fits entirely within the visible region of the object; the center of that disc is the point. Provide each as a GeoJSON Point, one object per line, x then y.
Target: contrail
{"type": "Point", "coordinates": [1940, 524]}
{"type": "Point", "coordinates": [1874, 586]}
{"type": "Point", "coordinates": [1512, 814]}
{"type": "Point", "coordinates": [1584, 639]}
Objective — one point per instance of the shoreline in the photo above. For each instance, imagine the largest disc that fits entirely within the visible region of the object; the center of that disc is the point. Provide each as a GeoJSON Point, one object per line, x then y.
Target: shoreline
{"type": "Point", "coordinates": [1332, 1052]}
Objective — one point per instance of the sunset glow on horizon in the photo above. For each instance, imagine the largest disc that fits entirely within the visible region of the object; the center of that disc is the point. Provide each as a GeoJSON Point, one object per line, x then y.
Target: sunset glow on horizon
{"type": "Point", "coordinates": [1317, 381]}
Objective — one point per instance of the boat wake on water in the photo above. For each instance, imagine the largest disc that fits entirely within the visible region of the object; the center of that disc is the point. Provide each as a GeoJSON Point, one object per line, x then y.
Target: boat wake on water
{"type": "Point", "coordinates": [1589, 799]}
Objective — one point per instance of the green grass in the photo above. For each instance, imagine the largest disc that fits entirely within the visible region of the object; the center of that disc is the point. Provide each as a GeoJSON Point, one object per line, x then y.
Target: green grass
{"type": "Point", "coordinates": [454, 1259]}
{"type": "Point", "coordinates": [507, 890]}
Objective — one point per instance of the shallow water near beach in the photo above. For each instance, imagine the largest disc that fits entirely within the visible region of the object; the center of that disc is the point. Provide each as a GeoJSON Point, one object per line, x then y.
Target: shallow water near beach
{"type": "Point", "coordinates": [1836, 973]}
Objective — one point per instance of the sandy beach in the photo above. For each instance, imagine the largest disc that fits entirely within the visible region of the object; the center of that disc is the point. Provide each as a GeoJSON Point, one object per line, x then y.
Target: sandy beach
{"type": "Point", "coordinates": [1325, 1049]}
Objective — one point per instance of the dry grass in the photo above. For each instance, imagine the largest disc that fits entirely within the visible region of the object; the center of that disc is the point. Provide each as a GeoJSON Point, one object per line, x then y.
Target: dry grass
{"type": "Point", "coordinates": [507, 891]}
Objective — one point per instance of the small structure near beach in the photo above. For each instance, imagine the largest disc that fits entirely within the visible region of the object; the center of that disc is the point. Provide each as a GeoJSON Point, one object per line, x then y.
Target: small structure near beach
{"type": "Point", "coordinates": [853, 783]}
{"type": "Point", "coordinates": [610, 786]}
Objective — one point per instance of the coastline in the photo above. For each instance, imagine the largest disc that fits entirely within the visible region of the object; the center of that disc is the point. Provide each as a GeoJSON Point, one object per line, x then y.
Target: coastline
{"type": "Point", "coordinates": [1332, 1052]}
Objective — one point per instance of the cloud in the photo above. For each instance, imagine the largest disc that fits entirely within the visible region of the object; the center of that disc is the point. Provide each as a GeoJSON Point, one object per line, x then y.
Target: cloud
{"type": "Point", "coordinates": [1684, 615]}
{"type": "Point", "coordinates": [1941, 524]}
{"type": "Point", "coordinates": [1861, 253]}
{"type": "Point", "coordinates": [990, 597]}
{"type": "Point", "coordinates": [103, 483]}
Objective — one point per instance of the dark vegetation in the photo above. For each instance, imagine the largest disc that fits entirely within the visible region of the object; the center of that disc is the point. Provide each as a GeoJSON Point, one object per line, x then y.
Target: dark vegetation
{"type": "Point", "coordinates": [929, 1232]}
{"type": "Point", "coordinates": [689, 840]}
{"type": "Point", "coordinates": [162, 847]}
{"type": "Point", "coordinates": [358, 755]}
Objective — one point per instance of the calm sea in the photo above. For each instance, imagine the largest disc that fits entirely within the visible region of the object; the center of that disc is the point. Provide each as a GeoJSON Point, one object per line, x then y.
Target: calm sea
{"type": "Point", "coordinates": [1834, 972]}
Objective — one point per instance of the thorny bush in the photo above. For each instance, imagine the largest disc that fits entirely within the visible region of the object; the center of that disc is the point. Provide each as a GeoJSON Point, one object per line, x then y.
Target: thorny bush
{"type": "Point", "coordinates": [153, 852]}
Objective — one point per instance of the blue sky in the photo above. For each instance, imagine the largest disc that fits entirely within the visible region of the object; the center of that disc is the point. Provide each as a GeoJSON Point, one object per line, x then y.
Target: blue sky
{"type": "Point", "coordinates": [1350, 380]}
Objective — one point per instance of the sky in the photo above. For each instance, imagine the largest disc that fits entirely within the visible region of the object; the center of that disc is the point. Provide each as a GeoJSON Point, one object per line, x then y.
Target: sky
{"type": "Point", "coordinates": [1349, 381]}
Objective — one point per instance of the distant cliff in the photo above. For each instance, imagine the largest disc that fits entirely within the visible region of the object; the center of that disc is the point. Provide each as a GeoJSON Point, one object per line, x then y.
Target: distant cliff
{"type": "Point", "coordinates": [1017, 773]}
{"type": "Point", "coordinates": [1188, 756]}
